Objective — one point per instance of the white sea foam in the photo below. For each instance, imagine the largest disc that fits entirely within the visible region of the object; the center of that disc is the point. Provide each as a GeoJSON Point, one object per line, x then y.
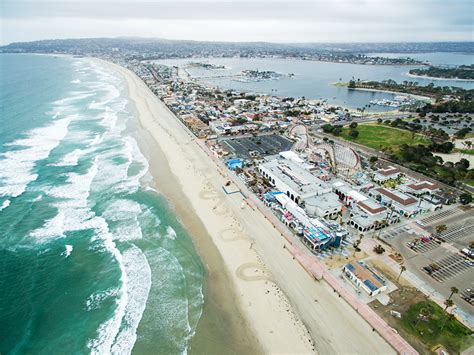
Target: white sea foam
{"type": "Point", "coordinates": [72, 158]}
{"type": "Point", "coordinates": [5, 204]}
{"type": "Point", "coordinates": [68, 251]}
{"type": "Point", "coordinates": [136, 265]}
{"type": "Point", "coordinates": [77, 81]}
{"type": "Point", "coordinates": [107, 331]}
{"type": "Point", "coordinates": [95, 300]}
{"type": "Point", "coordinates": [170, 233]}
{"type": "Point", "coordinates": [17, 165]}
{"type": "Point", "coordinates": [73, 213]}
{"type": "Point", "coordinates": [121, 209]}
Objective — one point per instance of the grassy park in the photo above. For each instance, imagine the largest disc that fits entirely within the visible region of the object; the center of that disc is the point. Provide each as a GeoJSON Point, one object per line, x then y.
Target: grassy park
{"type": "Point", "coordinates": [430, 324]}
{"type": "Point", "coordinates": [382, 136]}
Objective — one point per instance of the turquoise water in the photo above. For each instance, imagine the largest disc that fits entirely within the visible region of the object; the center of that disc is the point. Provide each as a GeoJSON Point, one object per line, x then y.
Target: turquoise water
{"type": "Point", "coordinates": [92, 259]}
{"type": "Point", "coordinates": [315, 80]}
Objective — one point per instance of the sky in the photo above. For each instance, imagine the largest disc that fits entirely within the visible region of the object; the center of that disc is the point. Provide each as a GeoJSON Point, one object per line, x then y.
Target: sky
{"type": "Point", "coordinates": [240, 20]}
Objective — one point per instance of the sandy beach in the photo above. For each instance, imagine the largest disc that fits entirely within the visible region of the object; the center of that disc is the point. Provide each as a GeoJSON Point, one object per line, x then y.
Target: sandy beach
{"type": "Point", "coordinates": [270, 302]}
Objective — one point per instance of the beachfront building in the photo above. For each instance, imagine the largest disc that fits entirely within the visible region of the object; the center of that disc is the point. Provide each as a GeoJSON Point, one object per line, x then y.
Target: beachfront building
{"type": "Point", "coordinates": [364, 278]}
{"type": "Point", "coordinates": [324, 206]}
{"type": "Point", "coordinates": [383, 175]}
{"type": "Point", "coordinates": [370, 215]}
{"type": "Point", "coordinates": [347, 194]}
{"type": "Point", "coordinates": [293, 179]}
{"type": "Point", "coordinates": [316, 234]}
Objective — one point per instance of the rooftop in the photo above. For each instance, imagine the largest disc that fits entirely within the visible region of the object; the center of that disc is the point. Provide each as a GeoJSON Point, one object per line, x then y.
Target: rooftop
{"type": "Point", "coordinates": [423, 185]}
{"type": "Point", "coordinates": [371, 206]}
{"type": "Point", "coordinates": [295, 176]}
{"type": "Point", "coordinates": [397, 196]}
{"type": "Point", "coordinates": [326, 201]}
{"type": "Point", "coordinates": [389, 170]}
{"type": "Point", "coordinates": [367, 276]}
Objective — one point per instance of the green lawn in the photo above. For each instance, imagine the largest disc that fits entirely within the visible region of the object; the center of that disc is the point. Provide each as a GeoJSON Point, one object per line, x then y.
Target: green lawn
{"type": "Point", "coordinates": [465, 151]}
{"type": "Point", "coordinates": [454, 336]}
{"type": "Point", "coordinates": [379, 136]}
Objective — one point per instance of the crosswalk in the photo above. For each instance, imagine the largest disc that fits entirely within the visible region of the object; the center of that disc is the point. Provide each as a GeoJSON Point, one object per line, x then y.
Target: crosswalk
{"type": "Point", "coordinates": [450, 266]}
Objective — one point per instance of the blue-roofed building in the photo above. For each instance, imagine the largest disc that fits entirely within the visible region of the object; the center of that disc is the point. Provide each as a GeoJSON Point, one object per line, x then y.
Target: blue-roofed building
{"type": "Point", "coordinates": [364, 277]}
{"type": "Point", "coordinates": [317, 238]}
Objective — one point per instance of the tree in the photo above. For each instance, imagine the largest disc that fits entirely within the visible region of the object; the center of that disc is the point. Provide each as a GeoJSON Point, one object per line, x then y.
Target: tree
{"type": "Point", "coordinates": [352, 84]}
{"type": "Point", "coordinates": [448, 303]}
{"type": "Point", "coordinates": [453, 291]}
{"type": "Point", "coordinates": [354, 133]}
{"type": "Point", "coordinates": [353, 125]}
{"type": "Point", "coordinates": [379, 120]}
{"type": "Point", "coordinates": [440, 228]}
{"type": "Point", "coordinates": [450, 318]}
{"type": "Point", "coordinates": [465, 198]}
{"type": "Point", "coordinates": [357, 243]}
{"type": "Point", "coordinates": [402, 270]}
{"type": "Point", "coordinates": [373, 159]}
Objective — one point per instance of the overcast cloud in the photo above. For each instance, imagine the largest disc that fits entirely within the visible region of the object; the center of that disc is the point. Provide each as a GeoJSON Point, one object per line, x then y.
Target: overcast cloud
{"type": "Point", "coordinates": [241, 20]}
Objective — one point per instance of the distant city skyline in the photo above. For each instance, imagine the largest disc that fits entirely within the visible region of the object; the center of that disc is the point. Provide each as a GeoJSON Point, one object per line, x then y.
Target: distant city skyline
{"type": "Point", "coordinates": [241, 20]}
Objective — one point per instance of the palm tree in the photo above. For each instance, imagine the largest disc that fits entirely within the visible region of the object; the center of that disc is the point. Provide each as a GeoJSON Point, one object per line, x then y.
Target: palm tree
{"type": "Point", "coordinates": [448, 303]}
{"type": "Point", "coordinates": [453, 291]}
{"type": "Point", "coordinates": [450, 317]}
{"type": "Point", "coordinates": [402, 270]}
{"type": "Point", "coordinates": [440, 228]}
{"type": "Point", "coordinates": [357, 243]}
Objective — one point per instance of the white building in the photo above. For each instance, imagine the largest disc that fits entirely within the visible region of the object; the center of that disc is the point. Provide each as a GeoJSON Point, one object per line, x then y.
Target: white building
{"type": "Point", "coordinates": [386, 174]}
{"type": "Point", "coordinates": [369, 215]}
{"type": "Point", "coordinates": [324, 206]}
{"type": "Point", "coordinates": [365, 278]}
{"type": "Point", "coordinates": [293, 179]}
{"type": "Point", "coordinates": [420, 188]}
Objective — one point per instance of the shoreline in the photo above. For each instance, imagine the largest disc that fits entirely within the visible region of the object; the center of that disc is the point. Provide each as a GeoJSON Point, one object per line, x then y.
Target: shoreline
{"type": "Point", "coordinates": [435, 78]}
{"type": "Point", "coordinates": [263, 273]}
{"type": "Point", "coordinates": [418, 97]}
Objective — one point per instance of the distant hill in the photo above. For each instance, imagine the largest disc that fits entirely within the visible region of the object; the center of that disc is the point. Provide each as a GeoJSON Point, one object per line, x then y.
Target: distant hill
{"type": "Point", "coordinates": [171, 48]}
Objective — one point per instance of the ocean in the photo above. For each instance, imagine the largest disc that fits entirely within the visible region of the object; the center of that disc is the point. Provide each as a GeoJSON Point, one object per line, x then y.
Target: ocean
{"type": "Point", "coordinates": [92, 257]}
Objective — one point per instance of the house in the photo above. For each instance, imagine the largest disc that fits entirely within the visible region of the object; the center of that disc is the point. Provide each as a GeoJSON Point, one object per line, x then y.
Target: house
{"type": "Point", "coordinates": [363, 277]}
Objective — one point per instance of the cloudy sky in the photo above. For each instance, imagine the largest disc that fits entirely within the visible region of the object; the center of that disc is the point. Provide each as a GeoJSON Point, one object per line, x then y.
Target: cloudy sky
{"type": "Point", "coordinates": [241, 20]}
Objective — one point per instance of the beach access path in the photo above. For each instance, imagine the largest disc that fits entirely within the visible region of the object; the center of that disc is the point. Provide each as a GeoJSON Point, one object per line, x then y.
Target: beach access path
{"type": "Point", "coordinates": [238, 230]}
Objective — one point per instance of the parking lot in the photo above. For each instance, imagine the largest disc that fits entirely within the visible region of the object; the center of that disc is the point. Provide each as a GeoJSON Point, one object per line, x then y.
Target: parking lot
{"type": "Point", "coordinates": [263, 145]}
{"type": "Point", "coordinates": [438, 262]}
{"type": "Point", "coordinates": [439, 216]}
{"type": "Point", "coordinates": [448, 267]}
{"type": "Point", "coordinates": [458, 231]}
